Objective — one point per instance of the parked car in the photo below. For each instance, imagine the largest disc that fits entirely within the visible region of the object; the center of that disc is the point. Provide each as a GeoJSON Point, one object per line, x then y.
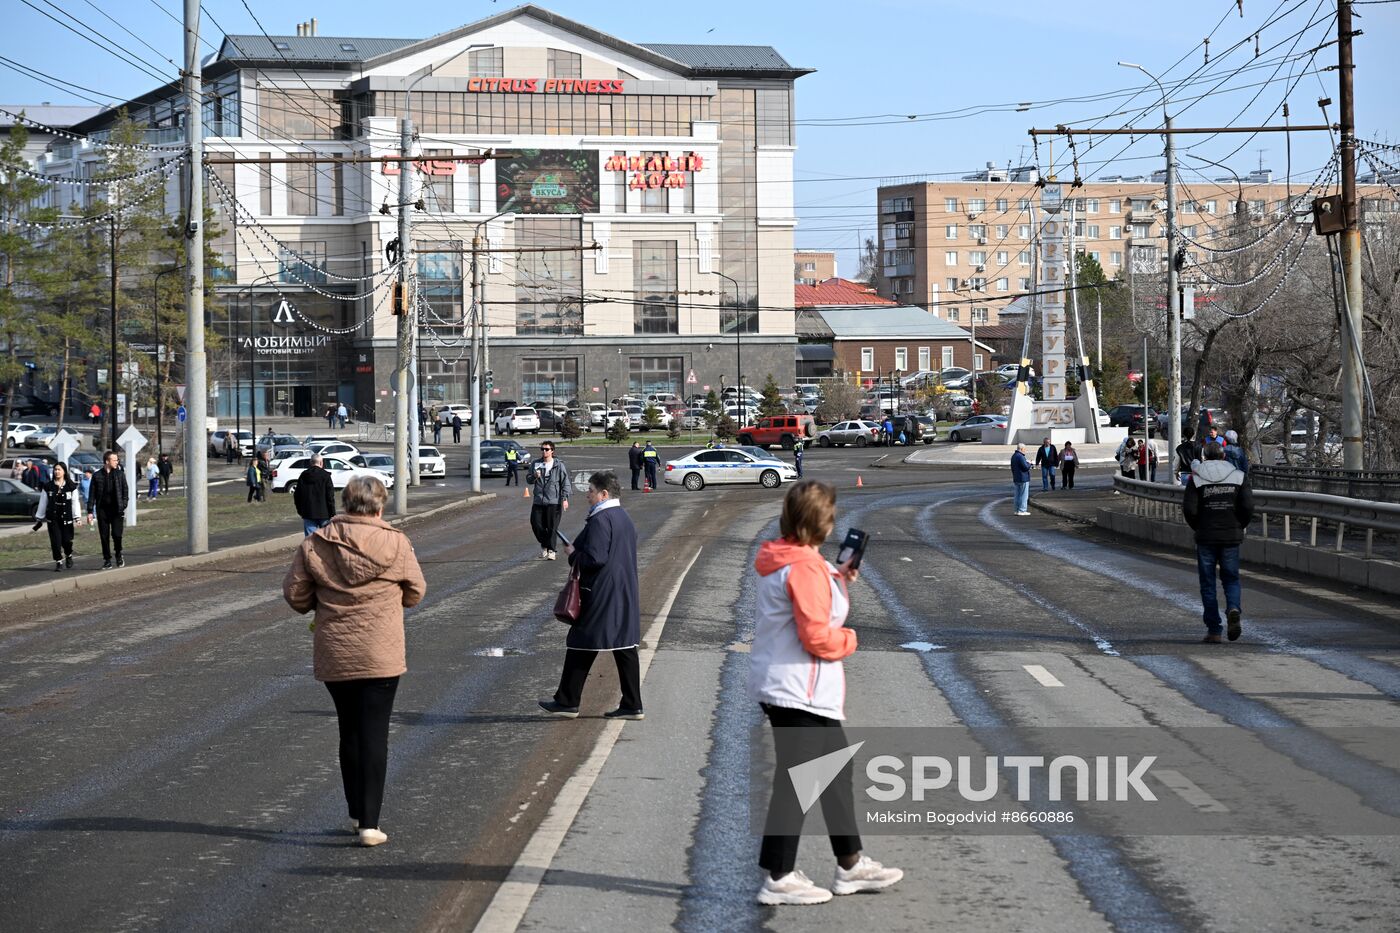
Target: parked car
{"type": "Point", "coordinates": [85, 460]}
{"type": "Point", "coordinates": [953, 406]}
{"type": "Point", "coordinates": [597, 415]}
{"type": "Point", "coordinates": [269, 440]}
{"type": "Point", "coordinates": [384, 463]}
{"type": "Point", "coordinates": [972, 428]}
{"type": "Point", "coordinates": [551, 420]}
{"type": "Point", "coordinates": [291, 452]}
{"type": "Point", "coordinates": [445, 413]}
{"type": "Point", "coordinates": [17, 498]}
{"type": "Point", "coordinates": [778, 429]}
{"type": "Point", "coordinates": [728, 465]}
{"type": "Point", "coordinates": [664, 400]}
{"type": "Point", "coordinates": [1206, 418]}
{"type": "Point", "coordinates": [859, 433]}
{"type": "Point", "coordinates": [1007, 370]}
{"type": "Point", "coordinates": [39, 440]}
{"type": "Point", "coordinates": [340, 449]}
{"type": "Point", "coordinates": [493, 460]}
{"type": "Point", "coordinates": [19, 431]}
{"type": "Point", "coordinates": [431, 462]}
{"type": "Point", "coordinates": [1104, 420]}
{"type": "Point", "coordinates": [244, 439]}
{"type": "Point", "coordinates": [517, 421]}
{"type": "Point", "coordinates": [522, 454]}
{"type": "Point", "coordinates": [27, 406]}
{"type": "Point", "coordinates": [311, 439]}
{"type": "Point", "coordinates": [928, 428]}
{"type": "Point", "coordinates": [285, 475]}
{"type": "Point", "coordinates": [634, 416]}
{"type": "Point", "coordinates": [1130, 417]}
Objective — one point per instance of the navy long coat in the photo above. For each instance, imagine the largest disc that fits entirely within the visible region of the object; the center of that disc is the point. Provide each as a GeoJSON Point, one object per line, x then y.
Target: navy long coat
{"type": "Point", "coordinates": [605, 553]}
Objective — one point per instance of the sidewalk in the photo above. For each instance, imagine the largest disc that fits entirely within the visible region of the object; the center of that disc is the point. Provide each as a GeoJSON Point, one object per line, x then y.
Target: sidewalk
{"type": "Point", "coordinates": [974, 454]}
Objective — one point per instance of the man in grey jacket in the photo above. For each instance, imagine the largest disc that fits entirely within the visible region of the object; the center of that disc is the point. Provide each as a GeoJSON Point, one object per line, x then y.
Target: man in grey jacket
{"type": "Point", "coordinates": [549, 492]}
{"type": "Point", "coordinates": [1218, 505]}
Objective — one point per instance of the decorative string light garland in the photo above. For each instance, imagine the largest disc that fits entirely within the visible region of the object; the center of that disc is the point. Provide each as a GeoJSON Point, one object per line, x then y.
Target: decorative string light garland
{"type": "Point", "coordinates": [165, 167]}
{"type": "Point", "coordinates": [289, 269]}
{"type": "Point", "coordinates": [1263, 270]}
{"type": "Point", "coordinates": [76, 224]}
{"type": "Point", "coordinates": [136, 147]}
{"type": "Point", "coordinates": [1324, 177]}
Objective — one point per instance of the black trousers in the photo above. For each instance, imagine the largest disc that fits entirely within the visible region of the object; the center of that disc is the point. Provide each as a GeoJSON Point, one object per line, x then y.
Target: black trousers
{"type": "Point", "coordinates": [544, 522]}
{"type": "Point", "coordinates": [1067, 469]}
{"type": "Point", "coordinates": [60, 540]}
{"type": "Point", "coordinates": [800, 736]}
{"type": "Point", "coordinates": [512, 473]}
{"type": "Point", "coordinates": [636, 477]}
{"type": "Point", "coordinates": [651, 473]}
{"type": "Point", "coordinates": [456, 435]}
{"type": "Point", "coordinates": [577, 664]}
{"type": "Point", "coordinates": [362, 709]}
{"type": "Point", "coordinates": [109, 528]}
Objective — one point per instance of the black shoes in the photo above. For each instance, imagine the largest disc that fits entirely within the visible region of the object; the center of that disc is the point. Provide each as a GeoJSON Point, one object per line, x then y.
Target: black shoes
{"type": "Point", "coordinates": [1232, 624]}
{"type": "Point", "coordinates": [69, 562]}
{"type": "Point", "coordinates": [559, 709]}
{"type": "Point", "coordinates": [1212, 638]}
{"type": "Point", "coordinates": [631, 715]}
{"type": "Point", "coordinates": [106, 565]}
{"type": "Point", "coordinates": [121, 561]}
{"type": "Point", "coordinates": [58, 566]}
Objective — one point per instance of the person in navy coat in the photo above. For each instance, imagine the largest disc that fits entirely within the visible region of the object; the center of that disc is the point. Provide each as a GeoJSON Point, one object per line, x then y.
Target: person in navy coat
{"type": "Point", "coordinates": [605, 555]}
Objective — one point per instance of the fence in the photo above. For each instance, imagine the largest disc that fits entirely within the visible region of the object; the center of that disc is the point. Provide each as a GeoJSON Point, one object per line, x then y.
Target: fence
{"type": "Point", "coordinates": [1374, 485]}
{"type": "Point", "coordinates": [1336, 515]}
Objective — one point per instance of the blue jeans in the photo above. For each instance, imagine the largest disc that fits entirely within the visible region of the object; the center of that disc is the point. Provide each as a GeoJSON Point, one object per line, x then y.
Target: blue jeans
{"type": "Point", "coordinates": [1047, 478]}
{"type": "Point", "coordinates": [1023, 495]}
{"type": "Point", "coordinates": [1226, 557]}
{"type": "Point", "coordinates": [312, 525]}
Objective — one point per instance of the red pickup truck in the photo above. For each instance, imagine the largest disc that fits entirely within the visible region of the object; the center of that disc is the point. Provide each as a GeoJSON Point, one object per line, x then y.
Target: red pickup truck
{"type": "Point", "coordinates": [778, 429]}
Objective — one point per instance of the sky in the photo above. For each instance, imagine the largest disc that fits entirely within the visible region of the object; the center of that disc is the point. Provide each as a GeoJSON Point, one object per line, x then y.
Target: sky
{"type": "Point", "coordinates": [957, 67]}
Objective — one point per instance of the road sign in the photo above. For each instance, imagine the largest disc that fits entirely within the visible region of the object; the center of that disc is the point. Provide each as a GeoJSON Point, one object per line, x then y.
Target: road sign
{"type": "Point", "coordinates": [131, 441]}
{"type": "Point", "coordinates": [63, 444]}
{"type": "Point", "coordinates": [690, 380]}
{"type": "Point", "coordinates": [181, 414]}
{"type": "Point", "coordinates": [180, 394]}
{"type": "Point", "coordinates": [705, 388]}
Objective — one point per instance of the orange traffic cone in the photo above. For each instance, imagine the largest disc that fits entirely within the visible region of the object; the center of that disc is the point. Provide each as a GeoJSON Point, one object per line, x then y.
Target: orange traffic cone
{"type": "Point", "coordinates": [527, 492]}
{"type": "Point", "coordinates": [859, 482]}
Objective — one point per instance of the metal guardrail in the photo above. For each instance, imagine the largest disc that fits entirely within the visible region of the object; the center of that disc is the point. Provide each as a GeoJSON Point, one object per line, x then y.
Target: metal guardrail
{"type": "Point", "coordinates": [1163, 502]}
{"type": "Point", "coordinates": [1376, 485]}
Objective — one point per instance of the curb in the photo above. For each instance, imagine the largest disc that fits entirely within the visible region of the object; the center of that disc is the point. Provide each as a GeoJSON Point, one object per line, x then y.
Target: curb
{"type": "Point", "coordinates": [1062, 513]}
{"type": "Point", "coordinates": [166, 565]}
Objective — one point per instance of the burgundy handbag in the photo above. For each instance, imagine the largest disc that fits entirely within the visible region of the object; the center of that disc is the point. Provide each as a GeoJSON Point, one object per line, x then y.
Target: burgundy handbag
{"type": "Point", "coordinates": [569, 605]}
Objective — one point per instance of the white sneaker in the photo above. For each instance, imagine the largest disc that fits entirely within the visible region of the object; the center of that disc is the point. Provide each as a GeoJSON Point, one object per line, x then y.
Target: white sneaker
{"type": "Point", "coordinates": [794, 888]}
{"type": "Point", "coordinates": [373, 837]}
{"type": "Point", "coordinates": [544, 553]}
{"type": "Point", "coordinates": [865, 875]}
{"type": "Point", "coordinates": [551, 556]}
{"type": "Point", "coordinates": [1023, 513]}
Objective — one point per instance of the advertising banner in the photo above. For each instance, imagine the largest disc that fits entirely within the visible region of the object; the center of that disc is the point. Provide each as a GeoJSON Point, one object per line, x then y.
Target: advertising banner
{"type": "Point", "coordinates": [548, 181]}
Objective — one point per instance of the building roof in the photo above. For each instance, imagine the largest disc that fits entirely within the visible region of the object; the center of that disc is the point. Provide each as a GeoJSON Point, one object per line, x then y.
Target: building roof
{"type": "Point", "coordinates": [61, 116]}
{"type": "Point", "coordinates": [310, 49]}
{"type": "Point", "coordinates": [725, 57]}
{"type": "Point", "coordinates": [838, 291]}
{"type": "Point", "coordinates": [893, 323]}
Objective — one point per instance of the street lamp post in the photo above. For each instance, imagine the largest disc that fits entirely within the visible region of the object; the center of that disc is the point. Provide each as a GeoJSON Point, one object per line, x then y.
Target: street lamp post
{"type": "Point", "coordinates": [1173, 296]}
{"type": "Point", "coordinates": [738, 347]}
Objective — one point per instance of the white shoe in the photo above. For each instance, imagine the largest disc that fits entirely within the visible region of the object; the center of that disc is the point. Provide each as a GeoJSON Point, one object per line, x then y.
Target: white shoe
{"type": "Point", "coordinates": [354, 827]}
{"type": "Point", "coordinates": [865, 875]}
{"type": "Point", "coordinates": [373, 837]}
{"type": "Point", "coordinates": [794, 888]}
{"type": "Point", "coordinates": [544, 553]}
{"type": "Point", "coordinates": [551, 556]}
{"type": "Point", "coordinates": [1023, 513]}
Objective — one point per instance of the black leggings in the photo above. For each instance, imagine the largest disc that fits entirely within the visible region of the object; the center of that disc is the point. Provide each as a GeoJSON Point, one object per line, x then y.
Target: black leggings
{"type": "Point", "coordinates": [577, 664]}
{"type": "Point", "coordinates": [362, 708]}
{"type": "Point", "coordinates": [1067, 473]}
{"type": "Point", "coordinates": [544, 522]}
{"type": "Point", "coordinates": [109, 528]}
{"type": "Point", "coordinates": [60, 540]}
{"type": "Point", "coordinates": [800, 736]}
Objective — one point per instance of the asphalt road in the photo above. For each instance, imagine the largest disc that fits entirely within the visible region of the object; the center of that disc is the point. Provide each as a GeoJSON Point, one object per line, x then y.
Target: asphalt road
{"type": "Point", "coordinates": [170, 763]}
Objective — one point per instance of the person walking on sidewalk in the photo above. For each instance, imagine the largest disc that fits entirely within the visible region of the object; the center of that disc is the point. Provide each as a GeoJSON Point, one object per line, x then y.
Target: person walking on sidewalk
{"type": "Point", "coordinates": [342, 414]}
{"type": "Point", "coordinates": [651, 460]}
{"type": "Point", "coordinates": [1069, 462]}
{"type": "Point", "coordinates": [1021, 480]}
{"type": "Point", "coordinates": [231, 451]}
{"type": "Point", "coordinates": [152, 478]}
{"type": "Point", "coordinates": [60, 505]}
{"type": "Point", "coordinates": [1127, 460]}
{"type": "Point", "coordinates": [359, 573]}
{"type": "Point", "coordinates": [1047, 457]}
{"type": "Point", "coordinates": [512, 466]}
{"type": "Point", "coordinates": [797, 449]}
{"type": "Point", "coordinates": [166, 468]}
{"type": "Point", "coordinates": [795, 674]}
{"type": "Point", "coordinates": [314, 496]}
{"type": "Point", "coordinates": [1218, 505]}
{"type": "Point", "coordinates": [107, 501]}
{"type": "Point", "coordinates": [549, 490]}
{"type": "Point", "coordinates": [456, 428]}
{"type": "Point", "coordinates": [437, 430]}
{"type": "Point", "coordinates": [610, 613]}
{"type": "Point", "coordinates": [634, 463]}
{"type": "Point", "coordinates": [1187, 453]}
{"type": "Point", "coordinates": [1235, 453]}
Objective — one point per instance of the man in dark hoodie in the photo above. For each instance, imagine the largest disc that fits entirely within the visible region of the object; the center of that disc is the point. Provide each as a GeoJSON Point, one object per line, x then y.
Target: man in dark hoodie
{"type": "Point", "coordinates": [1218, 505]}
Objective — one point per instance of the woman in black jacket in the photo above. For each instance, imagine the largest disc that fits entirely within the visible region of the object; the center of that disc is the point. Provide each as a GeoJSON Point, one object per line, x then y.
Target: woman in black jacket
{"type": "Point", "coordinates": [62, 507]}
{"type": "Point", "coordinates": [610, 617]}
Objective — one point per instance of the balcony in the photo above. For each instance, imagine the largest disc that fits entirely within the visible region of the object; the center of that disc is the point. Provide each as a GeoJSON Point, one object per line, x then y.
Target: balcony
{"type": "Point", "coordinates": [892, 272]}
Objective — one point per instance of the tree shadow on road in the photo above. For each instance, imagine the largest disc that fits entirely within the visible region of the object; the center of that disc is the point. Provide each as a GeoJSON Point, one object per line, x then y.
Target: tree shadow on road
{"type": "Point", "coordinates": [419, 718]}
{"type": "Point", "coordinates": [136, 824]}
{"type": "Point", "coordinates": [495, 874]}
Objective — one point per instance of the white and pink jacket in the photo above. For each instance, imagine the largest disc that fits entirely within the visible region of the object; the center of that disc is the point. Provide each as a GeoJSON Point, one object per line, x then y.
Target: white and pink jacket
{"type": "Point", "coordinates": [799, 635]}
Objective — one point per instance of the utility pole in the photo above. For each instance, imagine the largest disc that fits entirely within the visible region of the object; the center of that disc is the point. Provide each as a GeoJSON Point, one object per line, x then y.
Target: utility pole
{"type": "Point", "coordinates": [1353, 448]}
{"type": "Point", "coordinates": [197, 390]}
{"type": "Point", "coordinates": [112, 373]}
{"type": "Point", "coordinates": [476, 363]}
{"type": "Point", "coordinates": [1173, 306]}
{"type": "Point", "coordinates": [403, 374]}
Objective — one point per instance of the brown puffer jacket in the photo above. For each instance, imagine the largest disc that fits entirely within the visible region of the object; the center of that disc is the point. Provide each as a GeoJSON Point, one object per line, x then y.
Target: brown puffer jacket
{"type": "Point", "coordinates": [358, 573]}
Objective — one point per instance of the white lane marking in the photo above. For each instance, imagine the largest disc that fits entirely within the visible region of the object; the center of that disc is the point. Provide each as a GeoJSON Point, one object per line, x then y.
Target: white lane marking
{"type": "Point", "coordinates": [1046, 678]}
{"type": "Point", "coordinates": [507, 908]}
{"type": "Point", "coordinates": [908, 560]}
{"type": "Point", "coordinates": [1189, 791]}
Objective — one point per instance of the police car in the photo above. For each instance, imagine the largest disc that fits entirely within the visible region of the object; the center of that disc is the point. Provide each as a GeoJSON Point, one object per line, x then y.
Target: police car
{"type": "Point", "coordinates": [729, 465]}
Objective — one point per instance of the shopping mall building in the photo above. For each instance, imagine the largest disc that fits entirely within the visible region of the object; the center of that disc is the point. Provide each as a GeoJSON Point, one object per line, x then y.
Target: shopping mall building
{"type": "Point", "coordinates": [635, 211]}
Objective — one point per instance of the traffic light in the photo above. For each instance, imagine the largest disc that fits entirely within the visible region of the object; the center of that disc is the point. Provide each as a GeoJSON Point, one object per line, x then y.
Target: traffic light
{"type": "Point", "coordinates": [400, 298]}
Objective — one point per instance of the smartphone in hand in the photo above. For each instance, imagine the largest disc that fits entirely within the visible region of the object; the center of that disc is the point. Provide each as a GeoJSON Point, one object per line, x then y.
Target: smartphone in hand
{"type": "Point", "coordinates": [853, 548]}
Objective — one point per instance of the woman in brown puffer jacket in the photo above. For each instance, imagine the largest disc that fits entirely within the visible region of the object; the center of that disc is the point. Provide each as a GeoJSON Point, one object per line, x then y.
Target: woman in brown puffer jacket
{"type": "Point", "coordinates": [359, 573]}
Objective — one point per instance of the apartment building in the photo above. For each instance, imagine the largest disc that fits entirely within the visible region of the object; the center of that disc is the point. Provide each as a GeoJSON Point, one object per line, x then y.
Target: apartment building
{"type": "Point", "coordinates": [810, 267]}
{"type": "Point", "coordinates": [963, 248]}
{"type": "Point", "coordinates": [636, 201]}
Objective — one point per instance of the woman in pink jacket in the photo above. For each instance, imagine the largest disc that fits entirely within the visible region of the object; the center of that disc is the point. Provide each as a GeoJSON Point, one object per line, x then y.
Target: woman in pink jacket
{"type": "Point", "coordinates": [795, 673]}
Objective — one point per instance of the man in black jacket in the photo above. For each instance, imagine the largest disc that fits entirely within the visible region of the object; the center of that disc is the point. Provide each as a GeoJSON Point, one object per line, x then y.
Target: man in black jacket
{"type": "Point", "coordinates": [1219, 506]}
{"type": "Point", "coordinates": [107, 500]}
{"type": "Point", "coordinates": [1047, 457]}
{"type": "Point", "coordinates": [314, 496]}
{"type": "Point", "coordinates": [634, 463]}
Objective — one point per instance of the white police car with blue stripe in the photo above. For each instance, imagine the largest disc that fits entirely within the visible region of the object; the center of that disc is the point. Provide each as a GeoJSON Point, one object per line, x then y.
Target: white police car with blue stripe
{"type": "Point", "coordinates": [729, 465]}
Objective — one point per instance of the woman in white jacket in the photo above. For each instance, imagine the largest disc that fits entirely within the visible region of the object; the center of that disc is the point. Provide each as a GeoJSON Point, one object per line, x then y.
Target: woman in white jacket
{"type": "Point", "coordinates": [62, 508]}
{"type": "Point", "coordinates": [795, 673]}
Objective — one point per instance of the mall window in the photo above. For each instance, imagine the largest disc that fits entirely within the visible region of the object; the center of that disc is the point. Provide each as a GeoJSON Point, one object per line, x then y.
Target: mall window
{"type": "Point", "coordinates": [652, 375]}
{"type": "Point", "coordinates": [549, 284]}
{"type": "Point", "coordinates": [436, 190]}
{"type": "Point", "coordinates": [486, 63]}
{"type": "Point", "coordinates": [654, 278]}
{"type": "Point", "coordinates": [867, 359]}
{"type": "Point", "coordinates": [302, 262]}
{"type": "Point", "coordinates": [950, 232]}
{"type": "Point", "coordinates": [338, 186]}
{"type": "Point", "coordinates": [264, 183]}
{"type": "Point", "coordinates": [653, 199]}
{"type": "Point", "coordinates": [298, 113]}
{"type": "Point", "coordinates": [440, 284]}
{"type": "Point", "coordinates": [774, 117]}
{"type": "Point", "coordinates": [950, 258]}
{"type": "Point", "coordinates": [301, 184]}
{"type": "Point", "coordinates": [564, 64]}
{"type": "Point", "coordinates": [551, 381]}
